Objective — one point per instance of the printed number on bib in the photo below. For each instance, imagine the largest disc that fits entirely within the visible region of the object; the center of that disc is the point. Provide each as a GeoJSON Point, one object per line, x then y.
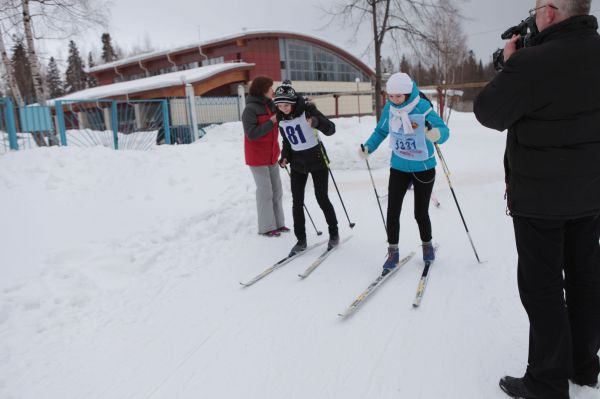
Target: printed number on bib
{"type": "Point", "coordinates": [294, 134]}
{"type": "Point", "coordinates": [407, 144]}
{"type": "Point", "coordinates": [298, 133]}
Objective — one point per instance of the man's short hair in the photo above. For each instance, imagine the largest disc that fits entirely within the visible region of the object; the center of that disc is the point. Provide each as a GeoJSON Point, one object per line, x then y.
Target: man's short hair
{"type": "Point", "coordinates": [574, 7]}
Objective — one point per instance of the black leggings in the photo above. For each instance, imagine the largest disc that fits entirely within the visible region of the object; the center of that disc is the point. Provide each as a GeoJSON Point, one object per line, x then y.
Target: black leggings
{"type": "Point", "coordinates": [398, 185]}
{"type": "Point", "coordinates": [320, 180]}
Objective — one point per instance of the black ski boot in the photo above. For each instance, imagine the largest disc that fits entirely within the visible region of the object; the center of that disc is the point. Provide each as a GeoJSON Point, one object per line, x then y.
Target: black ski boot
{"type": "Point", "coordinates": [299, 247]}
{"type": "Point", "coordinates": [334, 241]}
{"type": "Point", "coordinates": [515, 388]}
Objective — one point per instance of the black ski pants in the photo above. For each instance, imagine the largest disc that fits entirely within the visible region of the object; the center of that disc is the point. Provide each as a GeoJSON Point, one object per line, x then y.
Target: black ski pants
{"type": "Point", "coordinates": [398, 185]}
{"type": "Point", "coordinates": [559, 285]}
{"type": "Point", "coordinates": [320, 180]}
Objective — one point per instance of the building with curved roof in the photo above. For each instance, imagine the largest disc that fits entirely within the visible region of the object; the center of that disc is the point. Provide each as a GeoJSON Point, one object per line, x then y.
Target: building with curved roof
{"type": "Point", "coordinates": [315, 67]}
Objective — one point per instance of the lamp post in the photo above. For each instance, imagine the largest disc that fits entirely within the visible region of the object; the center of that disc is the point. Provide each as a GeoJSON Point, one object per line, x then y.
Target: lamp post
{"type": "Point", "coordinates": [357, 80]}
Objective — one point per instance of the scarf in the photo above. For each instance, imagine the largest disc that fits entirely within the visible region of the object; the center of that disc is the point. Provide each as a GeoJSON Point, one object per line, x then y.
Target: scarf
{"type": "Point", "coordinates": [399, 117]}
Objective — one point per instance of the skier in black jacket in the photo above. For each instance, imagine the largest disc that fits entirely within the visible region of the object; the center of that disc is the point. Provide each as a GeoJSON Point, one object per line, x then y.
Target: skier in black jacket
{"type": "Point", "coordinates": [548, 97]}
{"type": "Point", "coordinates": [302, 149]}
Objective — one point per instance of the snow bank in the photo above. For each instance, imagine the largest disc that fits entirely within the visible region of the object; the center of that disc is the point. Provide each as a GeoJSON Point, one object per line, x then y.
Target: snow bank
{"type": "Point", "coordinates": [120, 270]}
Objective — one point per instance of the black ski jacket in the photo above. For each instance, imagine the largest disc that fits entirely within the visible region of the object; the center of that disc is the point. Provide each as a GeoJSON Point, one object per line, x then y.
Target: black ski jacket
{"type": "Point", "coordinates": [548, 97]}
{"type": "Point", "coordinates": [314, 158]}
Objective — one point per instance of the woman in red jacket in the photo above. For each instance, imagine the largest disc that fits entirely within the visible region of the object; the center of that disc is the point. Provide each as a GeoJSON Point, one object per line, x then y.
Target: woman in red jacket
{"type": "Point", "coordinates": [261, 147]}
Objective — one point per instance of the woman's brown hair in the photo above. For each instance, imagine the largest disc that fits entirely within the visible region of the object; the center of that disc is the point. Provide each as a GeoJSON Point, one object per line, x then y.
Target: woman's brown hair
{"type": "Point", "coordinates": [260, 85]}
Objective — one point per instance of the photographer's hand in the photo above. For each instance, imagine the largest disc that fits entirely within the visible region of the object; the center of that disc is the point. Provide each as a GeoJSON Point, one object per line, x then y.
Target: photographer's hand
{"type": "Point", "coordinates": [511, 47]}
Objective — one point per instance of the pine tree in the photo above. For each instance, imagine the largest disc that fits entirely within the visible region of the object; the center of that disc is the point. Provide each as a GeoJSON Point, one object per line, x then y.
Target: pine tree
{"type": "Point", "coordinates": [55, 84]}
{"type": "Point", "coordinates": [470, 68]}
{"type": "Point", "coordinates": [480, 72]}
{"type": "Point", "coordinates": [388, 66]}
{"type": "Point", "coordinates": [22, 71]}
{"type": "Point", "coordinates": [75, 76]}
{"type": "Point", "coordinates": [421, 75]}
{"type": "Point", "coordinates": [405, 66]}
{"type": "Point", "coordinates": [433, 76]}
{"type": "Point", "coordinates": [108, 52]}
{"type": "Point", "coordinates": [91, 81]}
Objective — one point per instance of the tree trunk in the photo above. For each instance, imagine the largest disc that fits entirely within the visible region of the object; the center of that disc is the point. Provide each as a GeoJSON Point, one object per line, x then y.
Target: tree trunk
{"type": "Point", "coordinates": [377, 44]}
{"type": "Point", "coordinates": [36, 75]}
{"type": "Point", "coordinates": [12, 82]}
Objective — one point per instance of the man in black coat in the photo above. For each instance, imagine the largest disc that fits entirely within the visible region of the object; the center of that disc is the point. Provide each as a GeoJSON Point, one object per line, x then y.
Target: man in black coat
{"type": "Point", "coordinates": [548, 97]}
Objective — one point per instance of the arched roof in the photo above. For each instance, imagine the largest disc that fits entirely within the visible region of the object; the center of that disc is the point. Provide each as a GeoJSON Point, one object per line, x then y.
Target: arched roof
{"type": "Point", "coordinates": [258, 34]}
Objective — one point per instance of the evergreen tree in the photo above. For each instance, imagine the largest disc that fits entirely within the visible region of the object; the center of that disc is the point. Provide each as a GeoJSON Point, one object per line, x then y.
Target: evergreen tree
{"type": "Point", "coordinates": [420, 75]}
{"type": "Point", "coordinates": [470, 68]}
{"type": "Point", "coordinates": [55, 84]}
{"type": "Point", "coordinates": [388, 66]}
{"type": "Point", "coordinates": [22, 71]}
{"type": "Point", "coordinates": [75, 76]}
{"type": "Point", "coordinates": [405, 66]}
{"type": "Point", "coordinates": [108, 52]}
{"type": "Point", "coordinates": [480, 72]}
{"type": "Point", "coordinates": [433, 76]}
{"type": "Point", "coordinates": [91, 81]}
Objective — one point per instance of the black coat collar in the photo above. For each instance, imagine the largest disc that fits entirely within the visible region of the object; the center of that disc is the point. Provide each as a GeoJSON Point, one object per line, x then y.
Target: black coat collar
{"type": "Point", "coordinates": [574, 25]}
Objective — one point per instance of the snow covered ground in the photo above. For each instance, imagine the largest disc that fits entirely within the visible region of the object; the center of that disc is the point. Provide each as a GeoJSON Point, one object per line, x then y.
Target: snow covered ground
{"type": "Point", "coordinates": [120, 270]}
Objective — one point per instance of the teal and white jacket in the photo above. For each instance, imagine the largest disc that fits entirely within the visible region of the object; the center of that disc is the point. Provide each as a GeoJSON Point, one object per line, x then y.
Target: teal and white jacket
{"type": "Point", "coordinates": [382, 131]}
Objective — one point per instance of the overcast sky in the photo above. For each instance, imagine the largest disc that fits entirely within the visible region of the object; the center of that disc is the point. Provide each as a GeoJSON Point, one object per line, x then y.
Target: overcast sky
{"type": "Point", "coordinates": [176, 22]}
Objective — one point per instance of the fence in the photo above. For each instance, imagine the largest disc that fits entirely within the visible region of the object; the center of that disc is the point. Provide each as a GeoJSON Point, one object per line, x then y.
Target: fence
{"type": "Point", "coordinates": [207, 111]}
{"type": "Point", "coordinates": [133, 124]}
{"type": "Point", "coordinates": [8, 135]}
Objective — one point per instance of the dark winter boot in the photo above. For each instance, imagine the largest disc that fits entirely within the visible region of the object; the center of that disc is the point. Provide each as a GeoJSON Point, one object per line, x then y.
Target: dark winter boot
{"type": "Point", "coordinates": [428, 252]}
{"type": "Point", "coordinates": [334, 240]}
{"type": "Point", "coordinates": [515, 388]}
{"type": "Point", "coordinates": [392, 260]}
{"type": "Point", "coordinates": [299, 247]}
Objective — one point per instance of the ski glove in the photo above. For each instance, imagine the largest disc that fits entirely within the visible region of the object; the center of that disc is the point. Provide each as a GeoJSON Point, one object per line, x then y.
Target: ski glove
{"type": "Point", "coordinates": [433, 135]}
{"type": "Point", "coordinates": [283, 163]}
{"type": "Point", "coordinates": [363, 152]}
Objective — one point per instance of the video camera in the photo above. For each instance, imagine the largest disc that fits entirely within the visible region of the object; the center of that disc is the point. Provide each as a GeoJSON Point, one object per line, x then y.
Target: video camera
{"type": "Point", "coordinates": [527, 29]}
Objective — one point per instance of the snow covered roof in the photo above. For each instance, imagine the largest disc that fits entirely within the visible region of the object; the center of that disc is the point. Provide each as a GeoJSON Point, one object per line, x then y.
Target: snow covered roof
{"type": "Point", "coordinates": [160, 53]}
{"type": "Point", "coordinates": [155, 82]}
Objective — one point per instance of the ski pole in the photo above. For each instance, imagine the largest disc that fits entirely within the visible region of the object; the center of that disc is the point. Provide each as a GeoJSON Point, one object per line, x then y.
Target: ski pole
{"type": "Point", "coordinates": [375, 188]}
{"type": "Point", "coordinates": [341, 200]}
{"type": "Point", "coordinates": [305, 208]}
{"type": "Point", "coordinates": [447, 173]}
{"type": "Point", "coordinates": [326, 159]}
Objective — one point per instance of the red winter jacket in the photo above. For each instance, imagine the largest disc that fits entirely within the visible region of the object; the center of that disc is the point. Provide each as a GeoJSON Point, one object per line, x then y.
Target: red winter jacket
{"type": "Point", "coordinates": [261, 136]}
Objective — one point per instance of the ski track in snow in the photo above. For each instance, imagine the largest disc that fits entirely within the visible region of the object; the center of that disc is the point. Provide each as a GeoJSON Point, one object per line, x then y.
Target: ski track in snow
{"type": "Point", "coordinates": [120, 275]}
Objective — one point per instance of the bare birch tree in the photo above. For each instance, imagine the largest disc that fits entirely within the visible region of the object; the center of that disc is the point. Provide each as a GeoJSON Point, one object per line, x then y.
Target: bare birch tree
{"type": "Point", "coordinates": [405, 21]}
{"type": "Point", "coordinates": [58, 19]}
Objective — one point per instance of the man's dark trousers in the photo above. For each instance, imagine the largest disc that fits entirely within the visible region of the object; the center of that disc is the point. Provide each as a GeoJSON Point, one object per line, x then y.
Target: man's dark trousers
{"type": "Point", "coordinates": [559, 285]}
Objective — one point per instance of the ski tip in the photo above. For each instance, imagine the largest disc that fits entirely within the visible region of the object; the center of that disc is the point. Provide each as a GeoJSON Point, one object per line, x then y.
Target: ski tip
{"type": "Point", "coordinates": [302, 276]}
{"type": "Point", "coordinates": [244, 285]}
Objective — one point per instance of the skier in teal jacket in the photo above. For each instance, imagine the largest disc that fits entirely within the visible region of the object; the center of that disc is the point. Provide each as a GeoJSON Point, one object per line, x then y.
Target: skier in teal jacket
{"type": "Point", "coordinates": [412, 126]}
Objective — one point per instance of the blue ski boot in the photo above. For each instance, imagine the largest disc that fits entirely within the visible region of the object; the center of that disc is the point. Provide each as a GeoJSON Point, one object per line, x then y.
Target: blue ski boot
{"type": "Point", "coordinates": [428, 252]}
{"type": "Point", "coordinates": [392, 260]}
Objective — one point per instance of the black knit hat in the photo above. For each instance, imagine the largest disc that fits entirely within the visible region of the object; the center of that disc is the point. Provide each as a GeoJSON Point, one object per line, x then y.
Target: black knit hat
{"type": "Point", "coordinates": [285, 93]}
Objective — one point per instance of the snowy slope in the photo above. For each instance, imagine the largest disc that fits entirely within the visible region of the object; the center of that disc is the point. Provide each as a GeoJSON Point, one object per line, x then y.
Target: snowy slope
{"type": "Point", "coordinates": [120, 270]}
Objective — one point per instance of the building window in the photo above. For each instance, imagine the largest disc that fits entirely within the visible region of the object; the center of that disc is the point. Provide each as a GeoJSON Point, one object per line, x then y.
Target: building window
{"type": "Point", "coordinates": [305, 61]}
{"type": "Point", "coordinates": [191, 65]}
{"type": "Point", "coordinates": [213, 61]}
